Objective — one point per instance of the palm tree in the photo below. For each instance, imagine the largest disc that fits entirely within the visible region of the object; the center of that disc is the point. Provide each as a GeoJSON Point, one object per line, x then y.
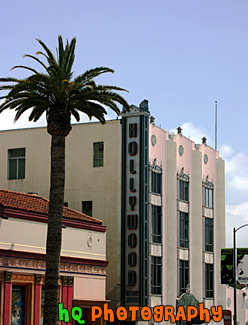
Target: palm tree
{"type": "Point", "coordinates": [55, 93]}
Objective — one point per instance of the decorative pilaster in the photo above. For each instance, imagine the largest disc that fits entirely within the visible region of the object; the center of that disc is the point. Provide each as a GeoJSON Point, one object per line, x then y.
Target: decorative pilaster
{"type": "Point", "coordinates": [64, 291]}
{"type": "Point", "coordinates": [64, 294]}
{"type": "Point", "coordinates": [7, 297]}
{"type": "Point", "coordinates": [69, 294]}
{"type": "Point", "coordinates": [37, 299]}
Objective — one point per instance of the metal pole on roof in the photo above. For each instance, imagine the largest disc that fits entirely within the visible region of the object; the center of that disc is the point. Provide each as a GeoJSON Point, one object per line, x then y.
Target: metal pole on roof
{"type": "Point", "coordinates": [216, 125]}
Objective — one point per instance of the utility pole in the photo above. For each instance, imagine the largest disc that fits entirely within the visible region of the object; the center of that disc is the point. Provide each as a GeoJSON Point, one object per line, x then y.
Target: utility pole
{"type": "Point", "coordinates": [235, 273]}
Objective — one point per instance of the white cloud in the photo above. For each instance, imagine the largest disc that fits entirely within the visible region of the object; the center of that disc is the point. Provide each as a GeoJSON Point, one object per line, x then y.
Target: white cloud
{"type": "Point", "coordinates": [236, 169]}
{"type": "Point", "coordinates": [237, 164]}
{"type": "Point", "coordinates": [194, 133]}
{"type": "Point", "coordinates": [236, 216]}
{"type": "Point", "coordinates": [7, 120]}
{"type": "Point", "coordinates": [240, 183]}
{"type": "Point", "coordinates": [226, 151]}
{"type": "Point", "coordinates": [240, 210]}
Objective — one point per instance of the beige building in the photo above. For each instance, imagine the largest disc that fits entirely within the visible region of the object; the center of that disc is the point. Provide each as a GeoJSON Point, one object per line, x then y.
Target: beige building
{"type": "Point", "coordinates": [84, 182]}
{"type": "Point", "coordinates": [160, 196]}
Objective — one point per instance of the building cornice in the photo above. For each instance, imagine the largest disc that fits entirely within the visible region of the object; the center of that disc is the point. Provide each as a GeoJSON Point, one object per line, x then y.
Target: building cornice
{"type": "Point", "coordinates": [37, 262]}
{"type": "Point", "coordinates": [38, 217]}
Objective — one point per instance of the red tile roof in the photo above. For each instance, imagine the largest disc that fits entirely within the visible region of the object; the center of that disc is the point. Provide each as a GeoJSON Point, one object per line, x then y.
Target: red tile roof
{"type": "Point", "coordinates": [37, 204]}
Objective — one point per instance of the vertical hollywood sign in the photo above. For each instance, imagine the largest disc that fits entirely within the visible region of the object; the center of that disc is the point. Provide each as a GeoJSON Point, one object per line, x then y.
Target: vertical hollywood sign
{"type": "Point", "coordinates": [132, 215]}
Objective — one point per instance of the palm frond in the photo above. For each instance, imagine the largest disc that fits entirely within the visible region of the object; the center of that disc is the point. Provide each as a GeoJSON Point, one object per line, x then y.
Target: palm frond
{"type": "Point", "coordinates": [36, 59]}
{"type": "Point", "coordinates": [50, 56]}
{"type": "Point", "coordinates": [9, 80]}
{"type": "Point", "coordinates": [92, 73]}
{"type": "Point", "coordinates": [106, 87]}
{"type": "Point", "coordinates": [36, 113]}
{"type": "Point", "coordinates": [5, 87]}
{"type": "Point", "coordinates": [74, 112]}
{"type": "Point", "coordinates": [60, 51]}
{"type": "Point", "coordinates": [70, 56]}
{"type": "Point", "coordinates": [23, 67]}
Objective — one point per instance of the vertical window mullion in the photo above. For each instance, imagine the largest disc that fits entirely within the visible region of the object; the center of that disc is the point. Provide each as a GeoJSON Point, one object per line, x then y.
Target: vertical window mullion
{"type": "Point", "coordinates": [16, 171]}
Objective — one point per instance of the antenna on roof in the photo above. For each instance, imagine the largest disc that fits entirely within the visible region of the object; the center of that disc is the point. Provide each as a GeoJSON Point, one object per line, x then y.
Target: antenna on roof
{"type": "Point", "coordinates": [216, 125]}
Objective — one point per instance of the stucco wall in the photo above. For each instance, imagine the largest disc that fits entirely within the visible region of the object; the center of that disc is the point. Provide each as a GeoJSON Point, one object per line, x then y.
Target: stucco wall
{"type": "Point", "coordinates": [170, 226]}
{"type": "Point", "coordinates": [29, 236]}
{"type": "Point", "coordinates": [197, 226]}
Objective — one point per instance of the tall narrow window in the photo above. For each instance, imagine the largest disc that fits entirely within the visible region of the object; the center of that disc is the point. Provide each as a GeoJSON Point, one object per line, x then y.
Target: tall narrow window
{"type": "Point", "coordinates": [98, 148]}
{"type": "Point", "coordinates": [156, 275]}
{"type": "Point", "coordinates": [87, 208]}
{"type": "Point", "coordinates": [183, 276]}
{"type": "Point", "coordinates": [16, 163]}
{"type": "Point", "coordinates": [156, 224]}
{"type": "Point", "coordinates": [209, 235]}
{"type": "Point", "coordinates": [183, 229]}
{"type": "Point", "coordinates": [156, 183]}
{"type": "Point", "coordinates": [208, 197]}
{"type": "Point", "coordinates": [183, 190]}
{"type": "Point", "coordinates": [209, 280]}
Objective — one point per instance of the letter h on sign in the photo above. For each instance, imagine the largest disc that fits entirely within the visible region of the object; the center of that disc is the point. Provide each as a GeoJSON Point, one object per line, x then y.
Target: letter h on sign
{"type": "Point", "coordinates": [132, 130]}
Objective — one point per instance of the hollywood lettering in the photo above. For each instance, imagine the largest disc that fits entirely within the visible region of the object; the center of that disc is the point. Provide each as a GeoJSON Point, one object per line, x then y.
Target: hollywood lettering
{"type": "Point", "coordinates": [132, 219]}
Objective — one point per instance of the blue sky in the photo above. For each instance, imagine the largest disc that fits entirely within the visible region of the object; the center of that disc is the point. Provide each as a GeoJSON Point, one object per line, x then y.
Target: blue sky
{"type": "Point", "coordinates": [180, 55]}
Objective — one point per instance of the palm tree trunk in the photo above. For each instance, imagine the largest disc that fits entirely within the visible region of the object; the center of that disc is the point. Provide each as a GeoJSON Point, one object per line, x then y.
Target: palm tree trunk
{"type": "Point", "coordinates": [54, 231]}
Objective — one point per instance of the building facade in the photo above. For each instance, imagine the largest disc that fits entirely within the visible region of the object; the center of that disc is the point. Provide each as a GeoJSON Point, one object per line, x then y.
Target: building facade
{"type": "Point", "coordinates": [160, 195]}
{"type": "Point", "coordinates": [23, 225]}
{"type": "Point", "coordinates": [183, 228]}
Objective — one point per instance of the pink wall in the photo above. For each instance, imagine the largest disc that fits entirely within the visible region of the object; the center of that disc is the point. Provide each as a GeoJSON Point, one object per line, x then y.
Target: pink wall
{"type": "Point", "coordinates": [157, 151]}
{"type": "Point", "coordinates": [185, 161]}
{"type": "Point", "coordinates": [209, 168]}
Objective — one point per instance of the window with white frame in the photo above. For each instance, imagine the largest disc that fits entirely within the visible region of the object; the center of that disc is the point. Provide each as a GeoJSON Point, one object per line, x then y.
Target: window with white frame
{"type": "Point", "coordinates": [156, 275]}
{"type": "Point", "coordinates": [16, 167]}
{"type": "Point", "coordinates": [183, 229]}
{"type": "Point", "coordinates": [183, 276]}
{"type": "Point", "coordinates": [209, 280]}
{"type": "Point", "coordinates": [156, 224]}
